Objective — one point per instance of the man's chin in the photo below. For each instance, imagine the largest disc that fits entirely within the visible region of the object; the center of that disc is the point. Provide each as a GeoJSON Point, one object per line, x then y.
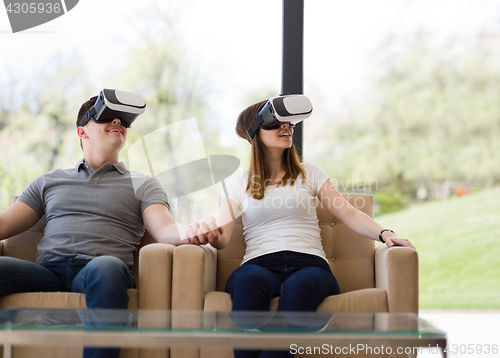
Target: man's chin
{"type": "Point", "coordinates": [117, 144]}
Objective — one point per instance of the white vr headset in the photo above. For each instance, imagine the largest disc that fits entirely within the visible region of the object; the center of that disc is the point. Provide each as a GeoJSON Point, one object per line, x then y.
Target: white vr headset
{"type": "Point", "coordinates": [111, 104]}
{"type": "Point", "coordinates": [290, 109]}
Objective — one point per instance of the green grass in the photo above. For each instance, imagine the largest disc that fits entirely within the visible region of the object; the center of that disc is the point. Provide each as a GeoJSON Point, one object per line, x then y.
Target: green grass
{"type": "Point", "coordinates": [458, 242]}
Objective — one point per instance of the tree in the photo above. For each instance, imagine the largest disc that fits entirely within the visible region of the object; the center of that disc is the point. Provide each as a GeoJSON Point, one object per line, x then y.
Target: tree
{"type": "Point", "coordinates": [163, 72]}
{"type": "Point", "coordinates": [37, 122]}
{"type": "Point", "coordinates": [433, 116]}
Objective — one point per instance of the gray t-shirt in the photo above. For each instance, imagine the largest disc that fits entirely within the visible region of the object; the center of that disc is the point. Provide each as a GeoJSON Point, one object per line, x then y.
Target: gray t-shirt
{"type": "Point", "coordinates": [92, 213]}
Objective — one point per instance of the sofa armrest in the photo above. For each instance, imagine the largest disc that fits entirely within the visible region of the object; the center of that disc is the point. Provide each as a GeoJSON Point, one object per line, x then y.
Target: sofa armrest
{"type": "Point", "coordinates": [396, 272]}
{"type": "Point", "coordinates": [194, 273]}
{"type": "Point", "coordinates": [155, 276]}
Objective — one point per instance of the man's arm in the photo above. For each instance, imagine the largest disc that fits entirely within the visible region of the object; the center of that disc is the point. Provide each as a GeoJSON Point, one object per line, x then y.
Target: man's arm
{"type": "Point", "coordinates": [17, 218]}
{"type": "Point", "coordinates": [165, 229]}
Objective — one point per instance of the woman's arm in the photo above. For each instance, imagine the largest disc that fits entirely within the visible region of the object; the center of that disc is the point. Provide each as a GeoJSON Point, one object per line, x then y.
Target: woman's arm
{"type": "Point", "coordinates": [355, 219]}
{"type": "Point", "coordinates": [165, 229]}
{"type": "Point", "coordinates": [228, 212]}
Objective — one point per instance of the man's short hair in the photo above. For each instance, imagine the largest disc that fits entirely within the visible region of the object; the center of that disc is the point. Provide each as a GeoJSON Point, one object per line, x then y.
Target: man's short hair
{"type": "Point", "coordinates": [86, 106]}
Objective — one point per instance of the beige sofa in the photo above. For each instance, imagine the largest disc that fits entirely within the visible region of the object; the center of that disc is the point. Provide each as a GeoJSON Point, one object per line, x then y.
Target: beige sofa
{"type": "Point", "coordinates": [151, 271]}
{"type": "Point", "coordinates": [372, 278]}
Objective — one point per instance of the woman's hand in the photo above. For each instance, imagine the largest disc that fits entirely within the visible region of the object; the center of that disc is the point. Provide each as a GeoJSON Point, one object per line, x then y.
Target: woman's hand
{"type": "Point", "coordinates": [204, 231]}
{"type": "Point", "coordinates": [394, 240]}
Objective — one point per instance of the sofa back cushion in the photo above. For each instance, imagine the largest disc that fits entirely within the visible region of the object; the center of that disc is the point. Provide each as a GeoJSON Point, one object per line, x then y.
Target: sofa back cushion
{"type": "Point", "coordinates": [350, 256]}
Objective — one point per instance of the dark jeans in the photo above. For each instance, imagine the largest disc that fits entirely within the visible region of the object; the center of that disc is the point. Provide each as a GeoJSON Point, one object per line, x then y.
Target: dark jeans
{"type": "Point", "coordinates": [104, 280]}
{"type": "Point", "coordinates": [300, 280]}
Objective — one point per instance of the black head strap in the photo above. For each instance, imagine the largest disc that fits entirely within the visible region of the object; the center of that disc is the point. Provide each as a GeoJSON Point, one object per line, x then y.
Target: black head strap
{"type": "Point", "coordinates": [90, 114]}
{"type": "Point", "coordinates": [255, 126]}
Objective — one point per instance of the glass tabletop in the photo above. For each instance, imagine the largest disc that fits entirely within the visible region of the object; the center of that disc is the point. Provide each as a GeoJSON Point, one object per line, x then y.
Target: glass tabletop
{"type": "Point", "coordinates": [393, 324]}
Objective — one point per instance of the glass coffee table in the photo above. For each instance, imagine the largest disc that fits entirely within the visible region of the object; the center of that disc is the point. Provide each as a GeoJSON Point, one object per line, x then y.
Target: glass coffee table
{"type": "Point", "coordinates": [319, 333]}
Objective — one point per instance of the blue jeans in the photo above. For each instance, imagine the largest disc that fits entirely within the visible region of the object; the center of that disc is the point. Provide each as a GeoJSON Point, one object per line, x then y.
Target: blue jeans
{"type": "Point", "coordinates": [104, 280]}
{"type": "Point", "coordinates": [301, 281]}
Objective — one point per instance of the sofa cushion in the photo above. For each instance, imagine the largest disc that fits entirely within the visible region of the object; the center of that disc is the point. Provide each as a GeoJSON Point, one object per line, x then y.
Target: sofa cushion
{"type": "Point", "coordinates": [366, 300]}
{"type": "Point", "coordinates": [57, 300]}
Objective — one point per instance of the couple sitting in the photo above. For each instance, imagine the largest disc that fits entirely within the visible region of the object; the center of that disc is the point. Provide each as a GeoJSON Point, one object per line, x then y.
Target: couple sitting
{"type": "Point", "coordinates": [95, 216]}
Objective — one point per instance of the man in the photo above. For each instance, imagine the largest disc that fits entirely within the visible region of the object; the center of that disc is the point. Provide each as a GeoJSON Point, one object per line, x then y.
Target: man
{"type": "Point", "coordinates": [95, 214]}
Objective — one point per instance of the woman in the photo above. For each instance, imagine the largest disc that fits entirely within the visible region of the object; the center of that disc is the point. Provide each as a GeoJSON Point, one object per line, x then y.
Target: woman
{"type": "Point", "coordinates": [284, 255]}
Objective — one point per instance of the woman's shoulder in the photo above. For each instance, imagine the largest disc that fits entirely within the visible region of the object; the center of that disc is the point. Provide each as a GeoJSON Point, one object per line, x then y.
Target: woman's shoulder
{"type": "Point", "coordinates": [313, 172]}
{"type": "Point", "coordinates": [241, 178]}
{"type": "Point", "coordinates": [309, 167]}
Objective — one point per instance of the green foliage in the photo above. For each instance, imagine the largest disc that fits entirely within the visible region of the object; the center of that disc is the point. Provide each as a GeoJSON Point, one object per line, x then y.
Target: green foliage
{"type": "Point", "coordinates": [161, 70]}
{"type": "Point", "coordinates": [37, 123]}
{"type": "Point", "coordinates": [432, 115]}
{"type": "Point", "coordinates": [38, 113]}
{"type": "Point", "coordinates": [390, 201]}
{"type": "Point", "coordinates": [457, 244]}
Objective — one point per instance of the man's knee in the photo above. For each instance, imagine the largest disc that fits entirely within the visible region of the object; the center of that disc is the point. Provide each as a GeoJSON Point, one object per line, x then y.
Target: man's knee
{"type": "Point", "coordinates": [108, 263]}
{"type": "Point", "coordinates": [7, 262]}
{"type": "Point", "coordinates": [17, 275]}
{"type": "Point", "coordinates": [108, 268]}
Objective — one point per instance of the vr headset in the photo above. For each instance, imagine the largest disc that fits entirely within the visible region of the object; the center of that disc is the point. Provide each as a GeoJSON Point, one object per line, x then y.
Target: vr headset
{"type": "Point", "coordinates": [111, 104]}
{"type": "Point", "coordinates": [290, 109]}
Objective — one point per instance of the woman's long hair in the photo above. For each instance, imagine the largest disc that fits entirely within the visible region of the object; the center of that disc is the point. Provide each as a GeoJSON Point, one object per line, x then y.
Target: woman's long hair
{"type": "Point", "coordinates": [259, 171]}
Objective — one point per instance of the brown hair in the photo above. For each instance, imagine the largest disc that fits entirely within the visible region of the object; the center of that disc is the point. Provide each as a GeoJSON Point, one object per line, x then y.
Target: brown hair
{"type": "Point", "coordinates": [259, 171]}
{"type": "Point", "coordinates": [86, 106]}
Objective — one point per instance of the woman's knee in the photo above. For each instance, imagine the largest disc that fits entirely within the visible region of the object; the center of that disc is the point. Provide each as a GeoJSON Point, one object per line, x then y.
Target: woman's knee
{"type": "Point", "coordinates": [251, 288]}
{"type": "Point", "coordinates": [313, 278]}
{"type": "Point", "coordinates": [250, 276]}
{"type": "Point", "coordinates": [308, 286]}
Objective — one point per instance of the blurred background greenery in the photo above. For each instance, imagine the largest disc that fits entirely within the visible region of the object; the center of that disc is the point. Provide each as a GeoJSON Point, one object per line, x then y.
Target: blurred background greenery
{"type": "Point", "coordinates": [419, 130]}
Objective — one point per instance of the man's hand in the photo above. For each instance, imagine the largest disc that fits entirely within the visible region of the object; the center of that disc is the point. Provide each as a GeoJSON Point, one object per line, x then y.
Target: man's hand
{"type": "Point", "coordinates": [165, 229]}
{"type": "Point", "coordinates": [204, 231]}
